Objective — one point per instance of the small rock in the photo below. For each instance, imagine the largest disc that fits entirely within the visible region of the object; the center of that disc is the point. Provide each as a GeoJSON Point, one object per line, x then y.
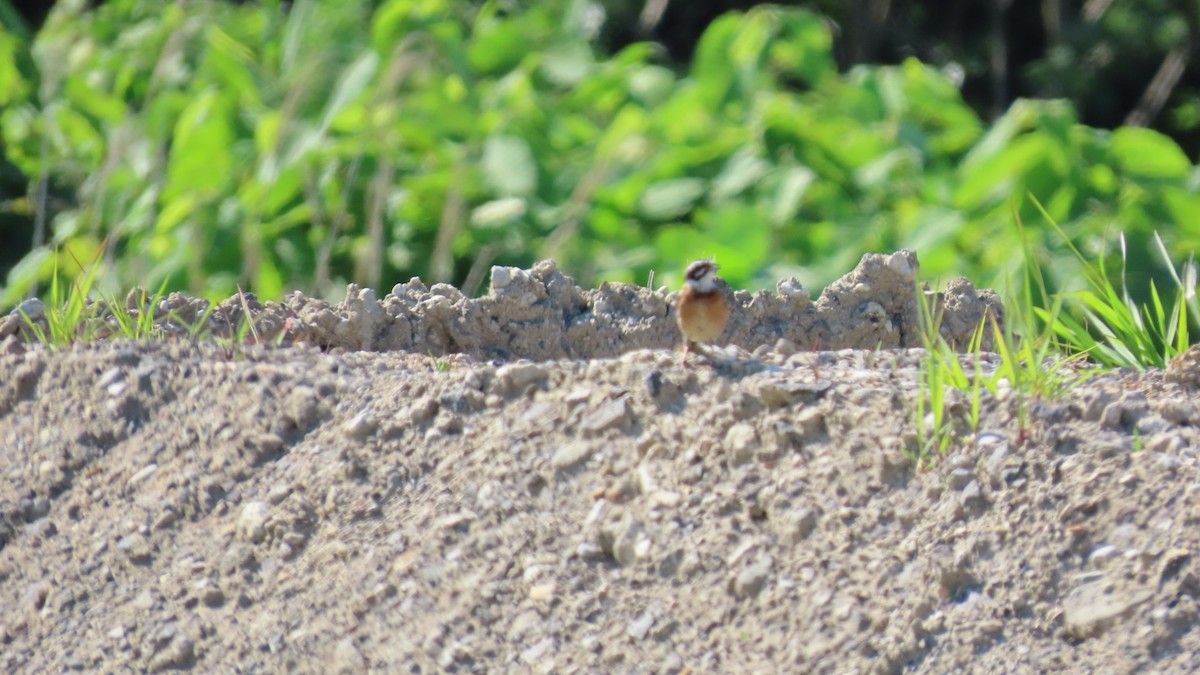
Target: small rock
{"type": "Point", "coordinates": [571, 455]}
{"type": "Point", "coordinates": [751, 579]}
{"type": "Point", "coordinates": [789, 287]}
{"type": "Point", "coordinates": [1089, 610]}
{"type": "Point", "coordinates": [543, 592]}
{"type": "Point", "coordinates": [517, 377]}
{"type": "Point", "coordinates": [903, 263]}
{"type": "Point", "coordinates": [614, 414]}
{"type": "Point", "coordinates": [1167, 464]}
{"type": "Point", "coordinates": [278, 493]}
{"type": "Point", "coordinates": [1173, 561]}
{"type": "Point", "coordinates": [165, 634]}
{"type": "Point", "coordinates": [31, 309]}
{"type": "Point", "coordinates": [779, 394]}
{"type": "Point", "coordinates": [959, 478]}
{"type": "Point", "coordinates": [998, 457]}
{"type": "Point", "coordinates": [535, 652]}
{"type": "Point", "coordinates": [144, 600]}
{"type": "Point", "coordinates": [810, 421]}
{"type": "Point", "coordinates": [741, 441]}
{"type": "Point", "coordinates": [109, 378]}
{"type": "Point", "coordinates": [252, 523]}
{"type": "Point", "coordinates": [795, 525]}
{"type": "Point", "coordinates": [501, 277]}
{"type": "Point", "coordinates": [179, 654]}
{"type": "Point", "coordinates": [209, 593]}
{"type": "Point", "coordinates": [142, 475]}
{"type": "Point", "coordinates": [135, 546]}
{"type": "Point", "coordinates": [629, 542]}
{"type": "Point", "coordinates": [641, 626]}
{"type": "Point", "coordinates": [1111, 417]}
{"type": "Point", "coordinates": [457, 520]}
{"type": "Point", "coordinates": [1102, 555]}
{"type": "Point", "coordinates": [167, 518]}
{"type": "Point", "coordinates": [361, 425]}
{"type": "Point", "coordinates": [346, 657]}
{"type": "Point", "coordinates": [34, 597]}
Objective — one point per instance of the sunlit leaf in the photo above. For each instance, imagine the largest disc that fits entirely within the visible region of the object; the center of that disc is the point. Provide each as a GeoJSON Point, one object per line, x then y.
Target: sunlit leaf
{"type": "Point", "coordinates": [509, 166]}
{"type": "Point", "coordinates": [497, 48]}
{"type": "Point", "coordinates": [670, 199]}
{"type": "Point", "coordinates": [357, 76]}
{"type": "Point", "coordinates": [201, 160]}
{"type": "Point", "coordinates": [742, 170]}
{"type": "Point", "coordinates": [1146, 152]}
{"type": "Point", "coordinates": [793, 182]}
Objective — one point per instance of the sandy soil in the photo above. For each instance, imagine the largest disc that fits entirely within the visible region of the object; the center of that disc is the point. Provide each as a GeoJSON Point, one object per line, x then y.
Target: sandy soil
{"type": "Point", "coordinates": [529, 482]}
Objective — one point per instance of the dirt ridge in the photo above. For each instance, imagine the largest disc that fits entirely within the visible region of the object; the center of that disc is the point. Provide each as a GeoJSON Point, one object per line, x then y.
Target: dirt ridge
{"type": "Point", "coordinates": [170, 505]}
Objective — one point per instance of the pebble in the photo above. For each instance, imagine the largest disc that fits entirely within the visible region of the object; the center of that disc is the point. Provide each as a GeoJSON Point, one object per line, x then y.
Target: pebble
{"type": "Point", "coordinates": [142, 475]}
{"type": "Point", "coordinates": [252, 521]}
{"type": "Point", "coordinates": [630, 542]}
{"type": "Point", "coordinates": [278, 493]}
{"type": "Point", "coordinates": [1102, 555]}
{"type": "Point", "coordinates": [208, 592]}
{"type": "Point", "coordinates": [34, 597]}
{"type": "Point", "coordinates": [753, 577]}
{"type": "Point", "coordinates": [741, 441]}
{"type": "Point", "coordinates": [515, 378]}
{"type": "Point", "coordinates": [347, 657]}
{"type": "Point", "coordinates": [779, 394]}
{"type": "Point", "coordinates": [110, 378]}
{"type": "Point", "coordinates": [537, 650]}
{"type": "Point", "coordinates": [32, 309]}
{"type": "Point", "coordinates": [135, 546]}
{"type": "Point", "coordinates": [959, 478]}
{"type": "Point", "coordinates": [179, 654]}
{"type": "Point", "coordinates": [795, 525]}
{"type": "Point", "coordinates": [1090, 610]}
{"type": "Point", "coordinates": [1111, 417]}
{"type": "Point", "coordinates": [456, 520]}
{"type": "Point", "coordinates": [361, 425]}
{"type": "Point", "coordinates": [572, 454]}
{"type": "Point", "coordinates": [641, 626]}
{"type": "Point", "coordinates": [542, 592]}
{"type": "Point", "coordinates": [611, 415]}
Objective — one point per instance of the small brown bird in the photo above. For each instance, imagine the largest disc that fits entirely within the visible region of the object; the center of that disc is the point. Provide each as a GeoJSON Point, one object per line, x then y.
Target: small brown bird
{"type": "Point", "coordinates": [701, 310]}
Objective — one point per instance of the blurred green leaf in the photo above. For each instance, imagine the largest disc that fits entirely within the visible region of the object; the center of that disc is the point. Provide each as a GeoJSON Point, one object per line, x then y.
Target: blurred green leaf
{"type": "Point", "coordinates": [792, 183]}
{"type": "Point", "coordinates": [743, 169]}
{"type": "Point", "coordinates": [1148, 153]}
{"type": "Point", "coordinates": [234, 143]}
{"type": "Point", "coordinates": [735, 235]}
{"type": "Point", "coordinates": [509, 166]}
{"type": "Point", "coordinates": [670, 199]}
{"type": "Point", "coordinates": [201, 160]}
{"type": "Point", "coordinates": [497, 48]}
{"type": "Point", "coordinates": [354, 81]}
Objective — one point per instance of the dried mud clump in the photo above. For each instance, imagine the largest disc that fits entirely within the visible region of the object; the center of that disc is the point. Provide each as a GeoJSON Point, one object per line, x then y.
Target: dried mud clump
{"type": "Point", "coordinates": [540, 314]}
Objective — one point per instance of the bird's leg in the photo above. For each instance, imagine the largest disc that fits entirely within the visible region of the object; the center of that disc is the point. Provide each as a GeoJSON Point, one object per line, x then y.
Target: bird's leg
{"type": "Point", "coordinates": [687, 344]}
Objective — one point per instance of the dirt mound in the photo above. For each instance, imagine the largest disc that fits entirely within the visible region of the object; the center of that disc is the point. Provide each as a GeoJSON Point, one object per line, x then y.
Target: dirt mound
{"type": "Point", "coordinates": [216, 507]}
{"type": "Point", "coordinates": [540, 314]}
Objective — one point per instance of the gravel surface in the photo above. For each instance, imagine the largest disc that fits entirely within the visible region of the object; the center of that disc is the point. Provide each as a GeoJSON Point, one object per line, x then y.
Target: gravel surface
{"type": "Point", "coordinates": [530, 482]}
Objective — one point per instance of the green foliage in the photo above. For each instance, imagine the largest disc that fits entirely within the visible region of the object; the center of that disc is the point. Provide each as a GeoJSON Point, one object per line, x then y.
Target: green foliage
{"type": "Point", "coordinates": [1116, 331]}
{"type": "Point", "coordinates": [220, 145]}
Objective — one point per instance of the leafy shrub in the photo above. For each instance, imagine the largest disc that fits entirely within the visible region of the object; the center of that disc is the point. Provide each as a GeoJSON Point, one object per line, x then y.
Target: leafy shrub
{"type": "Point", "coordinates": [217, 144]}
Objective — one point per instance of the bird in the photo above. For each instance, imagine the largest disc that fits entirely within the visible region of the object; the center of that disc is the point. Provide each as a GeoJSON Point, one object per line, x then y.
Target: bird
{"type": "Point", "coordinates": [701, 310]}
